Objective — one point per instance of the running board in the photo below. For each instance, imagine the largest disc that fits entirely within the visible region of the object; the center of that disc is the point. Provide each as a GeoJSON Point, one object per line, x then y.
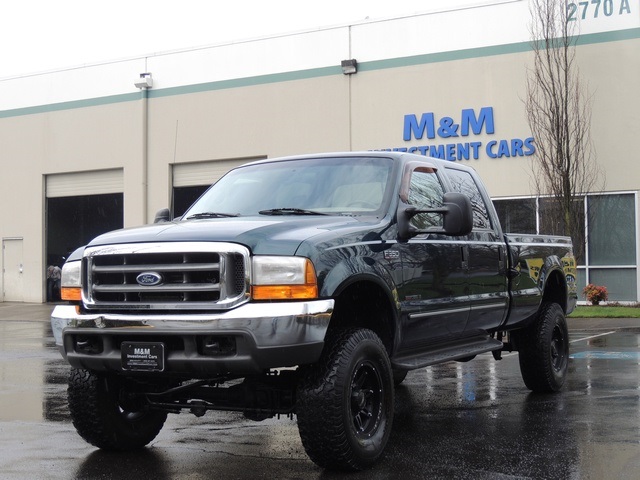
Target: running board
{"type": "Point", "coordinates": [467, 347]}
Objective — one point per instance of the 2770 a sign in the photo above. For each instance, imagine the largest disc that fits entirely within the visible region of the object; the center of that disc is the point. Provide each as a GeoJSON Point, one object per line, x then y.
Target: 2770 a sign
{"type": "Point", "coordinates": [596, 8]}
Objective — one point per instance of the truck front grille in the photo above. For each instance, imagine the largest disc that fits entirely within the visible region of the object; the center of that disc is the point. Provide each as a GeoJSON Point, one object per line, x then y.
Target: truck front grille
{"type": "Point", "coordinates": [166, 276]}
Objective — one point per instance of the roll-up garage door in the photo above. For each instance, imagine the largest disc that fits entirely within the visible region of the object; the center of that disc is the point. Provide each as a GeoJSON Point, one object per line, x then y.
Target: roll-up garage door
{"type": "Point", "coordinates": [84, 183]}
{"type": "Point", "coordinates": [203, 173]}
{"type": "Point", "coordinates": [79, 207]}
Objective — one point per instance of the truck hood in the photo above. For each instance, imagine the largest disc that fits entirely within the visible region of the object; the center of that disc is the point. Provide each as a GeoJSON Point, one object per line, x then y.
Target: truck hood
{"type": "Point", "coordinates": [262, 235]}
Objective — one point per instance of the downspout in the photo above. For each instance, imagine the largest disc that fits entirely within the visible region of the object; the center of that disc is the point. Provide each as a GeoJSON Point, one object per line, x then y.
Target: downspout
{"type": "Point", "coordinates": [144, 84]}
{"type": "Point", "coordinates": [350, 98]}
{"type": "Point", "coordinates": [350, 67]}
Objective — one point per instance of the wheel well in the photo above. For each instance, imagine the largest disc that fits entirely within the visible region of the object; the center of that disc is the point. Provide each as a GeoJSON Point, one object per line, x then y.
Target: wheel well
{"type": "Point", "coordinates": [365, 305]}
{"type": "Point", "coordinates": [555, 290]}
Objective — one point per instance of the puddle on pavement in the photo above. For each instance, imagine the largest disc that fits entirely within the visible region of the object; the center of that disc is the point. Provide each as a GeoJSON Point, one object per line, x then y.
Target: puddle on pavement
{"type": "Point", "coordinates": [33, 375]}
{"type": "Point", "coordinates": [625, 340]}
{"type": "Point", "coordinates": [607, 346]}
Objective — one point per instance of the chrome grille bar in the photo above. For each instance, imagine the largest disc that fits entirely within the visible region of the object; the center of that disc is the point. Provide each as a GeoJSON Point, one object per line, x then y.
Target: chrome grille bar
{"type": "Point", "coordinates": [156, 267]}
{"type": "Point", "coordinates": [184, 275]}
{"type": "Point", "coordinates": [191, 287]}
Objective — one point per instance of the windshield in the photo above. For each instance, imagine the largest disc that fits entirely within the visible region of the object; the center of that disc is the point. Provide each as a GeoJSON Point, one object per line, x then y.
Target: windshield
{"type": "Point", "coordinates": [349, 185]}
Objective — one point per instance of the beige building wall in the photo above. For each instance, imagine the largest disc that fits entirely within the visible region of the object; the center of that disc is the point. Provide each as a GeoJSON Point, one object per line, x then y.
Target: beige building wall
{"type": "Point", "coordinates": [446, 88]}
{"type": "Point", "coordinates": [271, 120]}
{"type": "Point", "coordinates": [269, 109]}
{"type": "Point", "coordinates": [612, 70]}
{"type": "Point", "coordinates": [500, 81]}
{"type": "Point", "coordinates": [78, 140]}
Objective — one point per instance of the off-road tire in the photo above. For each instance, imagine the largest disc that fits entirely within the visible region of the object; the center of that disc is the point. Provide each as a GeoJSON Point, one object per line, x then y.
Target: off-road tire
{"type": "Point", "coordinates": [98, 414]}
{"type": "Point", "coordinates": [345, 402]}
{"type": "Point", "coordinates": [544, 350]}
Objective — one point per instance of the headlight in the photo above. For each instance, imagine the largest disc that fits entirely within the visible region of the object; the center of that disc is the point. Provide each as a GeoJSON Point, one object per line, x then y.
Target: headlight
{"type": "Point", "coordinates": [70, 284]}
{"type": "Point", "coordinates": [283, 278]}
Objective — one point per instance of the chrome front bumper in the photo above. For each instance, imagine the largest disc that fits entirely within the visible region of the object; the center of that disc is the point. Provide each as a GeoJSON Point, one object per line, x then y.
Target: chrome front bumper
{"type": "Point", "coordinates": [267, 335]}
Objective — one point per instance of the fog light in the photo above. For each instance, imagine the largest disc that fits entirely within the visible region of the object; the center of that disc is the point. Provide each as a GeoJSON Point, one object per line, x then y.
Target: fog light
{"type": "Point", "coordinates": [88, 345]}
{"type": "Point", "coordinates": [216, 345]}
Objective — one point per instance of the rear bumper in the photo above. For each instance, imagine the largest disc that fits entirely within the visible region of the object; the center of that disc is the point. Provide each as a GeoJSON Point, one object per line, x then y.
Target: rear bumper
{"type": "Point", "coordinates": [254, 337]}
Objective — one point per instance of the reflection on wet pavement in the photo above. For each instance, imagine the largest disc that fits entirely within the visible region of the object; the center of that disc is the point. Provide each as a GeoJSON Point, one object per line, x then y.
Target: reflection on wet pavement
{"type": "Point", "coordinates": [32, 373]}
{"type": "Point", "coordinates": [457, 420]}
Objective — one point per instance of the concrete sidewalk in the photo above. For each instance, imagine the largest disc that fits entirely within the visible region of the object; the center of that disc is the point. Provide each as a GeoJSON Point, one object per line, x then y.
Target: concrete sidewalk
{"type": "Point", "coordinates": [604, 324]}
{"type": "Point", "coordinates": [42, 312]}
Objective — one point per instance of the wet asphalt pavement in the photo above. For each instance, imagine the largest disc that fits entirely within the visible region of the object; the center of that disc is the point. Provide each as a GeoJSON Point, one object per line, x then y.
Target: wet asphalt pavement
{"type": "Point", "coordinates": [472, 420]}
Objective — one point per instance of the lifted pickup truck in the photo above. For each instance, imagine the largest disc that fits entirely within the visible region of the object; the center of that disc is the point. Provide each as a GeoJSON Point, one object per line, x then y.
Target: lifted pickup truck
{"type": "Point", "coordinates": [307, 286]}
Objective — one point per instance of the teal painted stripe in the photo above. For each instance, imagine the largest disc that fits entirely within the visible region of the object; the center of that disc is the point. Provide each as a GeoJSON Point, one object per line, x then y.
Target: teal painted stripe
{"type": "Point", "coordinates": [182, 90]}
{"type": "Point", "coordinates": [480, 52]}
{"type": "Point", "coordinates": [605, 37]}
{"type": "Point", "coordinates": [444, 57]}
{"type": "Point", "coordinates": [247, 82]}
{"type": "Point", "coordinates": [56, 107]}
{"type": "Point", "coordinates": [374, 65]}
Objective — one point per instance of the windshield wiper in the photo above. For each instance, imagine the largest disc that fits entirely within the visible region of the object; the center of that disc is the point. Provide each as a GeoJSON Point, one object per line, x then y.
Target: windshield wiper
{"type": "Point", "coordinates": [211, 215]}
{"type": "Point", "coordinates": [289, 211]}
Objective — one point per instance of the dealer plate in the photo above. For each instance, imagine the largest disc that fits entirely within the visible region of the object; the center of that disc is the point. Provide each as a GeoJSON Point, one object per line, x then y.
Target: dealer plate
{"type": "Point", "coordinates": [143, 356]}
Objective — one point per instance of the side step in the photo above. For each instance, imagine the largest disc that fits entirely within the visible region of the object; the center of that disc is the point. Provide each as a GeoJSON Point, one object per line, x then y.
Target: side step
{"type": "Point", "coordinates": [467, 347]}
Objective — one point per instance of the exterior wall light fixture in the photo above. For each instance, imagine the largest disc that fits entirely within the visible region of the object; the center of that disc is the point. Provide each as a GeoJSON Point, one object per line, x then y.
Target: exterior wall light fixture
{"type": "Point", "coordinates": [349, 67]}
{"type": "Point", "coordinates": [145, 81]}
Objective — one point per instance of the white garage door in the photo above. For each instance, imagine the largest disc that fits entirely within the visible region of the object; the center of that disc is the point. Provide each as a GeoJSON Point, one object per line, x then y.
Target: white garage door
{"type": "Point", "coordinates": [85, 183]}
{"type": "Point", "coordinates": [204, 173]}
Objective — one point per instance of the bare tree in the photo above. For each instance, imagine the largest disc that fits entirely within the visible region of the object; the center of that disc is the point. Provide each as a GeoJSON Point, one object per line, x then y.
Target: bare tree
{"type": "Point", "coordinates": [558, 108]}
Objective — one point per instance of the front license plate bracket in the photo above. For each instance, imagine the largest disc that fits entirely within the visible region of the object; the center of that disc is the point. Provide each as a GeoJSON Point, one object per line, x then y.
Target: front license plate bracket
{"type": "Point", "coordinates": [142, 356]}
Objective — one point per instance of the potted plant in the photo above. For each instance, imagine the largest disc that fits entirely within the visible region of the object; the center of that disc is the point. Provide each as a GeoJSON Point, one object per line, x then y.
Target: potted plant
{"type": "Point", "coordinates": [595, 293]}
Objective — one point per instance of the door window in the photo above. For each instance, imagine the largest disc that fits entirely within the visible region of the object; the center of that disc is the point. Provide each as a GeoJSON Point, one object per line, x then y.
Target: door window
{"type": "Point", "coordinates": [426, 192]}
{"type": "Point", "coordinates": [463, 182]}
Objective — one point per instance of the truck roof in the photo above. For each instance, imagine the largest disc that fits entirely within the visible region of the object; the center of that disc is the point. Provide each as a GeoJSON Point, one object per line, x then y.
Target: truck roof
{"type": "Point", "coordinates": [402, 157]}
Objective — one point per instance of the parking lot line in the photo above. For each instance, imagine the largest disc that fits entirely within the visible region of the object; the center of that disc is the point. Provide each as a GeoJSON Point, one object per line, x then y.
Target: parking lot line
{"type": "Point", "coordinates": [592, 336]}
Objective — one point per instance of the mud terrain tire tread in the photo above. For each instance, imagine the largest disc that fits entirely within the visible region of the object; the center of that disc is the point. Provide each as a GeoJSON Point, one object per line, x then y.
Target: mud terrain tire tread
{"type": "Point", "coordinates": [544, 350]}
{"type": "Point", "coordinates": [335, 436]}
{"type": "Point", "coordinates": [99, 419]}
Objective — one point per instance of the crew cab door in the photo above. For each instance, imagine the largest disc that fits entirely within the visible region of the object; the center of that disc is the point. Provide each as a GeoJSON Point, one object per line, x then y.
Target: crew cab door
{"type": "Point", "coordinates": [485, 259]}
{"type": "Point", "coordinates": [434, 294]}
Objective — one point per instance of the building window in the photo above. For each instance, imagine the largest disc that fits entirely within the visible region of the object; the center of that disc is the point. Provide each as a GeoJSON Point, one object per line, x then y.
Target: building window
{"type": "Point", "coordinates": [609, 214]}
{"type": "Point", "coordinates": [606, 245]}
{"type": "Point", "coordinates": [551, 221]}
{"type": "Point", "coordinates": [621, 283]}
{"type": "Point", "coordinates": [517, 215]}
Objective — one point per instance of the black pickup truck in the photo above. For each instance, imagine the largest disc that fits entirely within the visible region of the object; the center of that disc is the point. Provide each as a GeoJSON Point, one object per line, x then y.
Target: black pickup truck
{"type": "Point", "coordinates": [307, 286]}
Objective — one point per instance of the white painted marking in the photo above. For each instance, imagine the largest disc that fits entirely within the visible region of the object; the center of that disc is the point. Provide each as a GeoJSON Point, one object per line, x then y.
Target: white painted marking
{"type": "Point", "coordinates": [592, 336]}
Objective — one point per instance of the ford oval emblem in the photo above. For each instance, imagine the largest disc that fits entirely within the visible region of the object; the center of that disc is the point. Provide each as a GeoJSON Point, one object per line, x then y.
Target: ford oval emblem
{"type": "Point", "coordinates": [149, 279]}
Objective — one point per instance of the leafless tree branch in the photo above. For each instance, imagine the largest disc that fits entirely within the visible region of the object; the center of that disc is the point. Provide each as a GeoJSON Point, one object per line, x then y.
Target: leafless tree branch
{"type": "Point", "coordinates": [558, 106]}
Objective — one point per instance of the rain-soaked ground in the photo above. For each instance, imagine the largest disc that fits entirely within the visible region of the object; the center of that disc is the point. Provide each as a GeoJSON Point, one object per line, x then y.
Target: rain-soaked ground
{"type": "Point", "coordinates": [472, 420]}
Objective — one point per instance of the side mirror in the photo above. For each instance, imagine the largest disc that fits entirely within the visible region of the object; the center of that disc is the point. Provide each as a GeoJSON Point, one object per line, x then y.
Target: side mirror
{"type": "Point", "coordinates": [458, 220]}
{"type": "Point", "coordinates": [457, 217]}
{"type": "Point", "coordinates": [163, 215]}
